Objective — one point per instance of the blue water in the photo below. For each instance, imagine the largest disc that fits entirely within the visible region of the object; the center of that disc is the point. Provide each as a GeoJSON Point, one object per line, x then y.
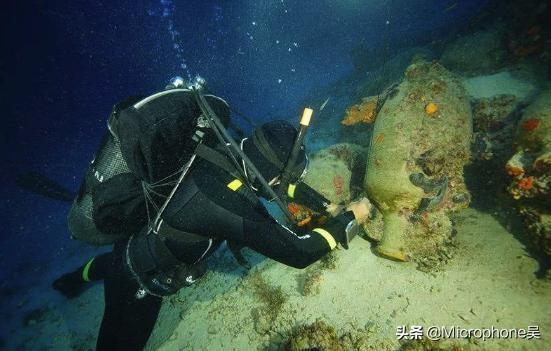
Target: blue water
{"type": "Point", "coordinates": [66, 63]}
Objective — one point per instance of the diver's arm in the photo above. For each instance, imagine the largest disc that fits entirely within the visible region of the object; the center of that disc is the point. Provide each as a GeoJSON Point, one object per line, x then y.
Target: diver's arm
{"type": "Point", "coordinates": [228, 215]}
{"type": "Point", "coordinates": [303, 194]}
{"type": "Point", "coordinates": [298, 250]}
{"type": "Point", "coordinates": [256, 229]}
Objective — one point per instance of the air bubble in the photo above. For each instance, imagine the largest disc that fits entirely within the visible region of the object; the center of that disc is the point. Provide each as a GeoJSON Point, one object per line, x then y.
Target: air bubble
{"type": "Point", "coordinates": [167, 13]}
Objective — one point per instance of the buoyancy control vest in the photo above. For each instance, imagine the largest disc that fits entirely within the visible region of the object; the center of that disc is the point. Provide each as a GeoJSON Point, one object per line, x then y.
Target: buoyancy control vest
{"type": "Point", "coordinates": [162, 258]}
{"type": "Point", "coordinates": [148, 142]}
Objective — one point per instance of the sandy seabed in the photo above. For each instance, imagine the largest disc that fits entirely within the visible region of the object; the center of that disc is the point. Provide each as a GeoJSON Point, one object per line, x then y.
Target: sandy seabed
{"type": "Point", "coordinates": [489, 282]}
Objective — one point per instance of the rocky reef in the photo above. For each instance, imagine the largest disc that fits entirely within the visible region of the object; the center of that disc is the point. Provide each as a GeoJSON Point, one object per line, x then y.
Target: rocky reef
{"type": "Point", "coordinates": [316, 336]}
{"type": "Point", "coordinates": [320, 335]}
{"type": "Point", "coordinates": [479, 53]}
{"type": "Point", "coordinates": [530, 171]}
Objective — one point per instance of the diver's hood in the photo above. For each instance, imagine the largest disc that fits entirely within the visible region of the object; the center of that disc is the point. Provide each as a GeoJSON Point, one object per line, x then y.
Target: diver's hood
{"type": "Point", "coordinates": [270, 147]}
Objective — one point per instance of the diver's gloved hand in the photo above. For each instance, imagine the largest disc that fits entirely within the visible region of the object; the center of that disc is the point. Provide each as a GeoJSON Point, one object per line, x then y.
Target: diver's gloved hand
{"type": "Point", "coordinates": [347, 225]}
{"type": "Point", "coordinates": [361, 209]}
{"type": "Point", "coordinates": [342, 228]}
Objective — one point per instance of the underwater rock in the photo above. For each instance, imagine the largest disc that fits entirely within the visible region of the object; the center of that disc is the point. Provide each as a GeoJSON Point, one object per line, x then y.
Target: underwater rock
{"type": "Point", "coordinates": [316, 336]}
{"type": "Point", "coordinates": [530, 170]}
{"type": "Point", "coordinates": [364, 112]}
{"type": "Point", "coordinates": [320, 336]}
{"type": "Point", "coordinates": [528, 43]}
{"type": "Point", "coordinates": [528, 33]}
{"type": "Point", "coordinates": [430, 240]}
{"type": "Point", "coordinates": [337, 172]}
{"type": "Point", "coordinates": [502, 83]}
{"type": "Point", "coordinates": [35, 316]}
{"type": "Point", "coordinates": [530, 166]}
{"type": "Point", "coordinates": [406, 142]}
{"type": "Point", "coordinates": [537, 220]}
{"type": "Point", "coordinates": [495, 122]}
{"type": "Point", "coordinates": [481, 52]}
{"type": "Point", "coordinates": [490, 114]}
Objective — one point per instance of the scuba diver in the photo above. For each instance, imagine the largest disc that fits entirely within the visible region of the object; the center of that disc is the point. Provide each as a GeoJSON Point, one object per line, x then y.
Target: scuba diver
{"type": "Point", "coordinates": [200, 190]}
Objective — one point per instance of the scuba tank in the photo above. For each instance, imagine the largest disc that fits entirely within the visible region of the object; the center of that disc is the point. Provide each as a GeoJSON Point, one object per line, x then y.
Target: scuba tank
{"type": "Point", "coordinates": [148, 141]}
{"type": "Point", "coordinates": [107, 163]}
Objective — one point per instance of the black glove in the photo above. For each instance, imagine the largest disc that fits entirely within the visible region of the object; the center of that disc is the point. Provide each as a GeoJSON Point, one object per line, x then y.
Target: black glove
{"type": "Point", "coordinates": [343, 228]}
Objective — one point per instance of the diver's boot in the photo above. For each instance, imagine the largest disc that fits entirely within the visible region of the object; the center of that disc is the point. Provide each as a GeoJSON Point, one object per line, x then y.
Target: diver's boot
{"type": "Point", "coordinates": [69, 284]}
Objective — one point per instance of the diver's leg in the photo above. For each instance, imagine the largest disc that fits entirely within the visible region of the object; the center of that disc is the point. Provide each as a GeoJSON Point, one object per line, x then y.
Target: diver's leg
{"type": "Point", "coordinates": [71, 284]}
{"type": "Point", "coordinates": [138, 322]}
{"type": "Point", "coordinates": [127, 321]}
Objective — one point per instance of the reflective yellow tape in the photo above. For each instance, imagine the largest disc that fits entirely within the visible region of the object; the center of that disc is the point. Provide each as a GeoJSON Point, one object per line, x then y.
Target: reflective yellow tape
{"type": "Point", "coordinates": [306, 116]}
{"type": "Point", "coordinates": [327, 236]}
{"type": "Point", "coordinates": [235, 184]}
{"type": "Point", "coordinates": [86, 270]}
{"type": "Point", "coordinates": [291, 190]}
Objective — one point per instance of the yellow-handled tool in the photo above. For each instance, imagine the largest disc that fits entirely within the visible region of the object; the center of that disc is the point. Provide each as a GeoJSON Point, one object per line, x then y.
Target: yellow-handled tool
{"type": "Point", "coordinates": [288, 170]}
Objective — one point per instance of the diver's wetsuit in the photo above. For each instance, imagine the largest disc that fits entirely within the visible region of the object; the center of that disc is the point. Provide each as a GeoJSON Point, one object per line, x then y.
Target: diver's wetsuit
{"type": "Point", "coordinates": [207, 205]}
{"type": "Point", "coordinates": [214, 206]}
{"type": "Point", "coordinates": [127, 321]}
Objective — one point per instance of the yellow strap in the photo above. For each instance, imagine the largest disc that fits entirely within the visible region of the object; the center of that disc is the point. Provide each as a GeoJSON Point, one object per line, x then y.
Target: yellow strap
{"type": "Point", "coordinates": [86, 270]}
{"type": "Point", "coordinates": [235, 184]}
{"type": "Point", "coordinates": [291, 190]}
{"type": "Point", "coordinates": [327, 236]}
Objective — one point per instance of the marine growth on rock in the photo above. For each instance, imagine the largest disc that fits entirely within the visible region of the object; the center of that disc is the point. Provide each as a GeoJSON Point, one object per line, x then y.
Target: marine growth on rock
{"type": "Point", "coordinates": [364, 112]}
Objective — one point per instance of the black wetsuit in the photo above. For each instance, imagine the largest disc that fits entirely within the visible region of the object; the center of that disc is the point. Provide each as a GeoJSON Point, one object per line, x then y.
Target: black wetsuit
{"type": "Point", "coordinates": [214, 206]}
{"type": "Point", "coordinates": [206, 205]}
{"type": "Point", "coordinates": [127, 321]}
